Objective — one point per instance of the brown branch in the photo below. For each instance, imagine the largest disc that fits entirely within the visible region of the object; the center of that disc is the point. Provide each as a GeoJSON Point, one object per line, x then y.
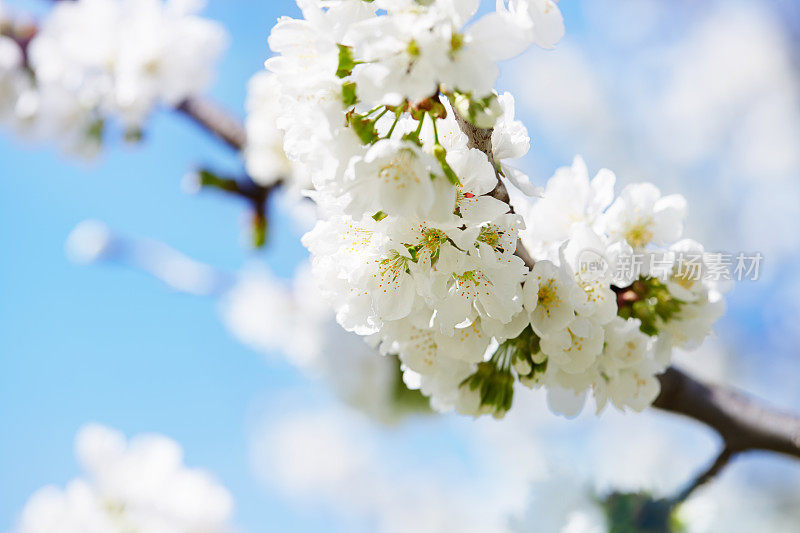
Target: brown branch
{"type": "Point", "coordinates": [742, 422]}
{"type": "Point", "coordinates": [215, 120]}
{"type": "Point", "coordinates": [481, 138]}
{"type": "Point", "coordinates": [228, 129]}
{"type": "Point", "coordinates": [707, 475]}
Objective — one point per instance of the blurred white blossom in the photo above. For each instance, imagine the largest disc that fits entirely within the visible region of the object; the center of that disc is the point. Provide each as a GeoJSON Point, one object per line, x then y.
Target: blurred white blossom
{"type": "Point", "coordinates": [93, 61]}
{"type": "Point", "coordinates": [140, 485]}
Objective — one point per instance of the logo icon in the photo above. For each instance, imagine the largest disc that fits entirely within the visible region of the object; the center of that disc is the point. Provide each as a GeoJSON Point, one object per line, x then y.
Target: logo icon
{"type": "Point", "coordinates": [592, 265]}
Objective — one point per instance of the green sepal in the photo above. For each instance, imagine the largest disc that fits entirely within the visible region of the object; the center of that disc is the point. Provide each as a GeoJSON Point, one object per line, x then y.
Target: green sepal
{"type": "Point", "coordinates": [441, 156]}
{"type": "Point", "coordinates": [346, 61]}
{"type": "Point", "coordinates": [364, 128]}
{"type": "Point", "coordinates": [349, 97]}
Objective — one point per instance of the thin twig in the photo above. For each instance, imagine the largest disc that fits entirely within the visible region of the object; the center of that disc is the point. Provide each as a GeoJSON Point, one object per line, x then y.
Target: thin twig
{"type": "Point", "coordinates": [216, 121]}
{"type": "Point", "coordinates": [707, 475]}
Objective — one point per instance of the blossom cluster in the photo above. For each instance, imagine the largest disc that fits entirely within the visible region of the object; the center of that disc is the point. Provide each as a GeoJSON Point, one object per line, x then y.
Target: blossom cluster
{"type": "Point", "coordinates": [410, 248]}
{"type": "Point", "coordinates": [387, 109]}
{"type": "Point", "coordinates": [596, 326]}
{"type": "Point", "coordinates": [94, 60]}
{"type": "Point", "coordinates": [140, 485]}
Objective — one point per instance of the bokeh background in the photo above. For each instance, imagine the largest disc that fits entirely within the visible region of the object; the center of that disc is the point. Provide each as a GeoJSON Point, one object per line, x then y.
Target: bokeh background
{"type": "Point", "coordinates": [701, 98]}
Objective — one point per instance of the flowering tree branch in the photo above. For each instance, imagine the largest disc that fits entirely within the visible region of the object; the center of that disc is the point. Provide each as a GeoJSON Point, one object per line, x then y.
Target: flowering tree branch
{"type": "Point", "coordinates": [743, 423]}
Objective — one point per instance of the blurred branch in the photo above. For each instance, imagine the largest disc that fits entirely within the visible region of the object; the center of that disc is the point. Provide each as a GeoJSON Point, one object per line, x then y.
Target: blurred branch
{"type": "Point", "coordinates": [214, 120]}
{"type": "Point", "coordinates": [243, 187]}
{"type": "Point", "coordinates": [707, 475]}
{"type": "Point", "coordinates": [228, 129]}
{"type": "Point", "coordinates": [742, 422]}
{"type": "Point", "coordinates": [91, 241]}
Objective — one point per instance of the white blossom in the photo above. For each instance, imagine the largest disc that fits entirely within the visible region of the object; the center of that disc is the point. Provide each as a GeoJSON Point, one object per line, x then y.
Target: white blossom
{"type": "Point", "coordinates": [550, 297]}
{"type": "Point", "coordinates": [138, 485]}
{"type": "Point", "coordinates": [518, 23]}
{"type": "Point", "coordinates": [408, 53]}
{"type": "Point", "coordinates": [393, 176]}
{"type": "Point", "coordinates": [641, 216]}
{"type": "Point", "coordinates": [510, 141]}
{"type": "Point", "coordinates": [569, 198]}
{"type": "Point", "coordinates": [478, 179]}
{"type": "Point", "coordinates": [13, 80]}
{"type": "Point", "coordinates": [265, 158]}
{"type": "Point", "coordinates": [96, 60]}
{"type": "Point", "coordinates": [293, 319]}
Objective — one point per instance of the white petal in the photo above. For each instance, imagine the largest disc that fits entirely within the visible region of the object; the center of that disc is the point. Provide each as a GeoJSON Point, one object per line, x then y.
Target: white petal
{"type": "Point", "coordinates": [565, 402]}
{"type": "Point", "coordinates": [498, 36]}
{"type": "Point", "coordinates": [521, 181]}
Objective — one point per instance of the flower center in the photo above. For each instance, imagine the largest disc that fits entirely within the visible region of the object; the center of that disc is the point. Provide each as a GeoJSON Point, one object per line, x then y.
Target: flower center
{"type": "Point", "coordinates": [466, 277]}
{"type": "Point", "coordinates": [393, 266]}
{"type": "Point", "coordinates": [399, 169]}
{"type": "Point", "coordinates": [639, 234]}
{"type": "Point", "coordinates": [548, 297]}
{"type": "Point", "coordinates": [490, 236]}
